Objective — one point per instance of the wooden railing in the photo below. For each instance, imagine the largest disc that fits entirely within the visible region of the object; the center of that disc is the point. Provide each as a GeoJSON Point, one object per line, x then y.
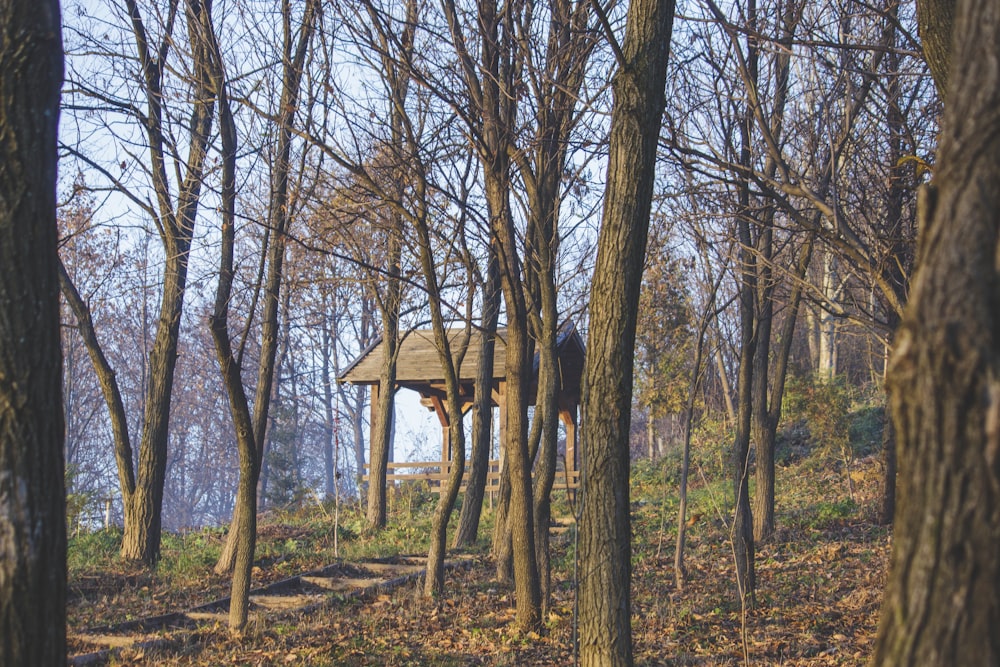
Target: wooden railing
{"type": "Point", "coordinates": [435, 473]}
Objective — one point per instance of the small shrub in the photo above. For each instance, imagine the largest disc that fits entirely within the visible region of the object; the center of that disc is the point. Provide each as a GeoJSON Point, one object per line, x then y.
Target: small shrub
{"type": "Point", "coordinates": [832, 512]}
{"type": "Point", "coordinates": [711, 447]}
{"type": "Point", "coordinates": [825, 407]}
{"type": "Point", "coordinates": [865, 431]}
{"type": "Point", "coordinates": [80, 504]}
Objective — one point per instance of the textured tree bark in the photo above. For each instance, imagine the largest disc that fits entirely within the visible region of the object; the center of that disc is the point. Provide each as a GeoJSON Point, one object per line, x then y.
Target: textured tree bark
{"type": "Point", "coordinates": [520, 519]}
{"type": "Point", "coordinates": [605, 527]}
{"type": "Point", "coordinates": [942, 602]}
{"type": "Point", "coordinates": [382, 409]}
{"type": "Point", "coordinates": [501, 547]}
{"type": "Point", "coordinates": [32, 509]}
{"type": "Point", "coordinates": [935, 23]}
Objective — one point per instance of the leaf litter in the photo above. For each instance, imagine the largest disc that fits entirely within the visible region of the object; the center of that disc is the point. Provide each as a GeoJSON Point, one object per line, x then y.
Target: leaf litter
{"type": "Point", "coordinates": [819, 590]}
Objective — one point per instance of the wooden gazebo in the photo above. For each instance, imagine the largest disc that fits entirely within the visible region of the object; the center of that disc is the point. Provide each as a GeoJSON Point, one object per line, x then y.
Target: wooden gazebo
{"type": "Point", "coordinates": [418, 367]}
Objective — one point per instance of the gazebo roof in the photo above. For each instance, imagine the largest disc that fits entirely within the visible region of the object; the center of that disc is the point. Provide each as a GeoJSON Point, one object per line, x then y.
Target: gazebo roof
{"type": "Point", "coordinates": [418, 365]}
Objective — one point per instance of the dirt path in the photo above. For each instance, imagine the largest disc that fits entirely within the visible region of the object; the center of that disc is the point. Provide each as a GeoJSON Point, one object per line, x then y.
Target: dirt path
{"type": "Point", "coordinates": [299, 594]}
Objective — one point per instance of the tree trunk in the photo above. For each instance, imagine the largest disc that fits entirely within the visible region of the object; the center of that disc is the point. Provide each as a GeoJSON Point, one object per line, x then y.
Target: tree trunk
{"type": "Point", "coordinates": [383, 407]}
{"type": "Point", "coordinates": [742, 529]}
{"type": "Point", "coordinates": [237, 555]}
{"type": "Point", "coordinates": [887, 505]}
{"type": "Point", "coordinates": [482, 410]}
{"type": "Point", "coordinates": [330, 418]}
{"type": "Point", "coordinates": [450, 363]}
{"type": "Point", "coordinates": [219, 325]}
{"type": "Point", "coordinates": [501, 550]}
{"type": "Point", "coordinates": [900, 253]}
{"type": "Point", "coordinates": [358, 439]}
{"type": "Point", "coordinates": [520, 514]}
{"type": "Point", "coordinates": [763, 435]}
{"type": "Point", "coordinates": [768, 414]}
{"type": "Point", "coordinates": [383, 411]}
{"type": "Point", "coordinates": [106, 378]}
{"type": "Point", "coordinates": [941, 603]}
{"type": "Point", "coordinates": [32, 507]}
{"type": "Point", "coordinates": [680, 573]}
{"type": "Point", "coordinates": [826, 366]}
{"type": "Point", "coordinates": [547, 412]}
{"type": "Point", "coordinates": [141, 540]}
{"type": "Point", "coordinates": [142, 489]}
{"type": "Point", "coordinates": [935, 23]}
{"type": "Point", "coordinates": [605, 528]}
{"type": "Point", "coordinates": [556, 85]}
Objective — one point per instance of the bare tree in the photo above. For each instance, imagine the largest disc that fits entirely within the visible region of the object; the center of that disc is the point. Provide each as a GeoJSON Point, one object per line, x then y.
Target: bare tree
{"type": "Point", "coordinates": [238, 551]}
{"type": "Point", "coordinates": [556, 76]}
{"type": "Point", "coordinates": [490, 105]}
{"type": "Point", "coordinates": [482, 407]}
{"type": "Point", "coordinates": [142, 486]}
{"type": "Point", "coordinates": [605, 525]}
{"type": "Point", "coordinates": [394, 56]}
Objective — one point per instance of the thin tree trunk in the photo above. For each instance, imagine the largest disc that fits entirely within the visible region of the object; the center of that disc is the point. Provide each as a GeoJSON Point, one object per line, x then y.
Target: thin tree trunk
{"type": "Point", "coordinates": [32, 507]}
{"type": "Point", "coordinates": [106, 379]}
{"type": "Point", "coordinates": [680, 573]}
{"type": "Point", "coordinates": [219, 325]}
{"type": "Point", "coordinates": [547, 412]}
{"type": "Point", "coordinates": [141, 540]}
{"type": "Point", "coordinates": [383, 414]}
{"type": "Point", "coordinates": [900, 250]}
{"type": "Point", "coordinates": [727, 392]}
{"type": "Point", "coordinates": [521, 517]}
{"type": "Point", "coordinates": [482, 410]}
{"type": "Point", "coordinates": [768, 415]}
{"type": "Point", "coordinates": [237, 555]}
{"type": "Point", "coordinates": [887, 506]}
{"type": "Point", "coordinates": [742, 529]}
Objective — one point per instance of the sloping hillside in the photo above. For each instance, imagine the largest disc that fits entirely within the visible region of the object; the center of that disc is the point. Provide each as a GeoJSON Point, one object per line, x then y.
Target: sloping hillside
{"type": "Point", "coordinates": [819, 583]}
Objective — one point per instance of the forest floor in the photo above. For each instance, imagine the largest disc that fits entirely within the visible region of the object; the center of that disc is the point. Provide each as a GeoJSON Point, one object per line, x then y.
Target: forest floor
{"type": "Point", "coordinates": [819, 585]}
